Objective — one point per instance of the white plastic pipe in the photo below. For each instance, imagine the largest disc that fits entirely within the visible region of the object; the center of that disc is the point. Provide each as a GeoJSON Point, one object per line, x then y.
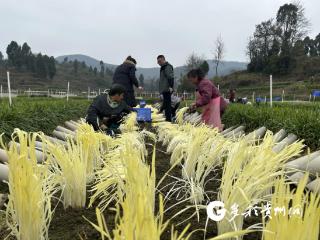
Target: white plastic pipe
{"type": "Point", "coordinates": [71, 126]}
{"type": "Point", "coordinates": [302, 162]}
{"type": "Point", "coordinates": [4, 172]}
{"type": "Point", "coordinates": [65, 130]}
{"type": "Point", "coordinates": [235, 132]}
{"type": "Point", "coordinates": [39, 155]}
{"type": "Point", "coordinates": [279, 136]}
{"type": "Point", "coordinates": [285, 142]}
{"type": "Point", "coordinates": [3, 156]}
{"type": "Point", "coordinates": [256, 134]}
{"type": "Point", "coordinates": [227, 130]}
{"type": "Point", "coordinates": [314, 186]}
{"type": "Point", "coordinates": [61, 135]}
{"type": "Point", "coordinates": [314, 166]}
{"type": "Point", "coordinates": [55, 140]}
{"type": "Point", "coordinates": [295, 178]}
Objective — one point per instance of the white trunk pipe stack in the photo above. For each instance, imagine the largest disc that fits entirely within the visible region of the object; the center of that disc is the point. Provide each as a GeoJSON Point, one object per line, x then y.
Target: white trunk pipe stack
{"type": "Point", "coordinates": [71, 126]}
{"type": "Point", "coordinates": [291, 138]}
{"type": "Point", "coordinates": [279, 136]}
{"type": "Point", "coordinates": [314, 186]}
{"type": "Point", "coordinates": [55, 140]}
{"type": "Point", "coordinates": [74, 122]}
{"type": "Point", "coordinates": [257, 134]}
{"type": "Point", "coordinates": [235, 132]}
{"type": "Point", "coordinates": [224, 132]}
{"type": "Point", "coordinates": [302, 163]}
{"type": "Point", "coordinates": [39, 155]}
{"type": "Point", "coordinates": [3, 156]}
{"type": "Point", "coordinates": [61, 135]}
{"type": "Point", "coordinates": [65, 130]}
{"type": "Point", "coordinates": [314, 166]}
{"type": "Point", "coordinates": [4, 172]}
{"type": "Point", "coordinates": [295, 178]}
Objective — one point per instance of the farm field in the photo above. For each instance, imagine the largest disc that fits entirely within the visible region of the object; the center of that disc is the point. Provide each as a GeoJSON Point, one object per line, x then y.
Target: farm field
{"type": "Point", "coordinates": [154, 173]}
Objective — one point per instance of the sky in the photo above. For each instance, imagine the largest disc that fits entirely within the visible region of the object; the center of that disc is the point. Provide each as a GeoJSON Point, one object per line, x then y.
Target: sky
{"type": "Point", "coordinates": [111, 30]}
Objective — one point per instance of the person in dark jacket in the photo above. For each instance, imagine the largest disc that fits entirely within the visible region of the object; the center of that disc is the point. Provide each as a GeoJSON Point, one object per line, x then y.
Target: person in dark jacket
{"type": "Point", "coordinates": [125, 75]}
{"type": "Point", "coordinates": [166, 83]}
{"type": "Point", "coordinates": [107, 110]}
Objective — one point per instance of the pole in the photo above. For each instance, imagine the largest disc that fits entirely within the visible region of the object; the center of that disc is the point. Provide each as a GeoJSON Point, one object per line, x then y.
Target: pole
{"type": "Point", "coordinates": [282, 95]}
{"type": "Point", "coordinates": [9, 89]}
{"type": "Point", "coordinates": [88, 93]}
{"type": "Point", "coordinates": [1, 91]}
{"type": "Point", "coordinates": [253, 97]}
{"type": "Point", "coordinates": [218, 87]}
{"type": "Point", "coordinates": [99, 92]}
{"type": "Point", "coordinates": [68, 91]}
{"type": "Point", "coordinates": [270, 90]}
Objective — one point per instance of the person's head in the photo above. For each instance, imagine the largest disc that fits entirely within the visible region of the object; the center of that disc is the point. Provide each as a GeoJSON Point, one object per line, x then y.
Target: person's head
{"type": "Point", "coordinates": [161, 60]}
{"type": "Point", "coordinates": [116, 92]}
{"type": "Point", "coordinates": [131, 59]}
{"type": "Point", "coordinates": [195, 75]}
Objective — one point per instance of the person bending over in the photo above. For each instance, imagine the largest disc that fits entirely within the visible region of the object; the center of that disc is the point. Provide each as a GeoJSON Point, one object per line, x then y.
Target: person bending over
{"type": "Point", "coordinates": [208, 98]}
{"type": "Point", "coordinates": [108, 109]}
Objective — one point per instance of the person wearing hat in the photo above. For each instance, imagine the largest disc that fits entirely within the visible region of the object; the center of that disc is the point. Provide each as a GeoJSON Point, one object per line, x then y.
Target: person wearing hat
{"type": "Point", "coordinates": [125, 75]}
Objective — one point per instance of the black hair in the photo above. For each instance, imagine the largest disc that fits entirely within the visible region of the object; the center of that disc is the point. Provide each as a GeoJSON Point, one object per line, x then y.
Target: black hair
{"type": "Point", "coordinates": [129, 58]}
{"type": "Point", "coordinates": [196, 73]}
{"type": "Point", "coordinates": [161, 56]}
{"type": "Point", "coordinates": [116, 89]}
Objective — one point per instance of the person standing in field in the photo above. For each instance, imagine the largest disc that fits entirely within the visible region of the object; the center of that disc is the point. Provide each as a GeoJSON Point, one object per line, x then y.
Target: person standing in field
{"type": "Point", "coordinates": [166, 83]}
{"type": "Point", "coordinates": [125, 75]}
{"type": "Point", "coordinates": [208, 98]}
{"type": "Point", "coordinates": [175, 103]}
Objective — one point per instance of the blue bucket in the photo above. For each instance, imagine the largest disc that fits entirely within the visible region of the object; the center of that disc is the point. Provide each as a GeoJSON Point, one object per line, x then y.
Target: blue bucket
{"type": "Point", "coordinates": [143, 114]}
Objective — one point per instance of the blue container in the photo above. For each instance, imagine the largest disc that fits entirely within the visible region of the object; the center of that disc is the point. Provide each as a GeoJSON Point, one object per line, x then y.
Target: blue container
{"type": "Point", "coordinates": [142, 104]}
{"type": "Point", "coordinates": [143, 114]}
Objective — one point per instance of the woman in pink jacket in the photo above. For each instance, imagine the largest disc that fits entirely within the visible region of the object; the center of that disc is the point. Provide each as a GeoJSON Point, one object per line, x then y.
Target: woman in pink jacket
{"type": "Point", "coordinates": [208, 98]}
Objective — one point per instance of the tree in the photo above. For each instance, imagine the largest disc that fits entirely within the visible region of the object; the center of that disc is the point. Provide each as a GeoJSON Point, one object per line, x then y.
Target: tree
{"type": "Point", "coordinates": [75, 66]}
{"type": "Point", "coordinates": [41, 66]}
{"type": "Point", "coordinates": [1, 58]}
{"type": "Point", "coordinates": [13, 51]}
{"type": "Point", "coordinates": [52, 67]}
{"type": "Point", "coordinates": [83, 64]}
{"type": "Point", "coordinates": [218, 52]}
{"type": "Point", "coordinates": [95, 71]}
{"type": "Point", "coordinates": [101, 68]}
{"type": "Point", "coordinates": [193, 61]}
{"type": "Point", "coordinates": [141, 80]}
{"type": "Point", "coordinates": [65, 60]}
{"type": "Point", "coordinates": [90, 69]}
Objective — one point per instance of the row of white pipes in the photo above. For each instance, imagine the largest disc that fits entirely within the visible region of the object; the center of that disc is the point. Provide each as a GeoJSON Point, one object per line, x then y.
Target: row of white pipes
{"type": "Point", "coordinates": [309, 163]}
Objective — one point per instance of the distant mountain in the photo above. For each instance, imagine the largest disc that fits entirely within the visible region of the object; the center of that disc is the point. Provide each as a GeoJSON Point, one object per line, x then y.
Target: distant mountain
{"type": "Point", "coordinates": [225, 68]}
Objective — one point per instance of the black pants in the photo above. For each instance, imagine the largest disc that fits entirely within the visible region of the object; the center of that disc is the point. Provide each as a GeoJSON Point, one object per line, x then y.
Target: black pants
{"type": "Point", "coordinates": [167, 105]}
{"type": "Point", "coordinates": [174, 109]}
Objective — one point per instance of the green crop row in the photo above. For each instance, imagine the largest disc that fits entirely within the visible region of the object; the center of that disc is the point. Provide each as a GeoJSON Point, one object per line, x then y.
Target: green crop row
{"type": "Point", "coordinates": [39, 114]}
{"type": "Point", "coordinates": [302, 120]}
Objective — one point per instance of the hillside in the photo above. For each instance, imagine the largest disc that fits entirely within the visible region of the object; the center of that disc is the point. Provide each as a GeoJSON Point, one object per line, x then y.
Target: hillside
{"type": "Point", "coordinates": [80, 81]}
{"type": "Point", "coordinates": [296, 86]}
{"type": "Point", "coordinates": [225, 68]}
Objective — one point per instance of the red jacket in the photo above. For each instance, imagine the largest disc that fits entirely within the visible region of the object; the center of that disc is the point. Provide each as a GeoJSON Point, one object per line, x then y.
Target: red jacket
{"type": "Point", "coordinates": [207, 92]}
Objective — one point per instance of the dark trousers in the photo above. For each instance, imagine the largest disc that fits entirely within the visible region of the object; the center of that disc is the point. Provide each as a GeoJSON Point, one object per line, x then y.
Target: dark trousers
{"type": "Point", "coordinates": [174, 109]}
{"type": "Point", "coordinates": [167, 105]}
